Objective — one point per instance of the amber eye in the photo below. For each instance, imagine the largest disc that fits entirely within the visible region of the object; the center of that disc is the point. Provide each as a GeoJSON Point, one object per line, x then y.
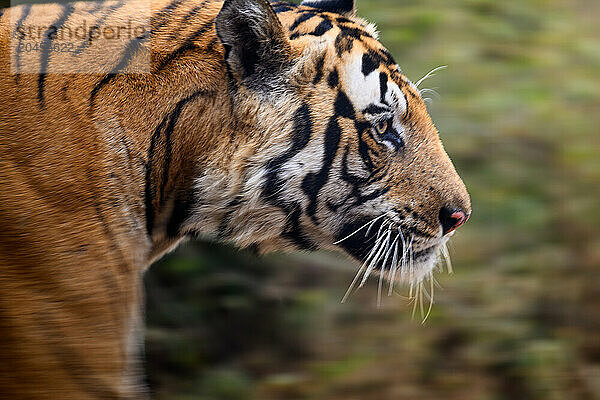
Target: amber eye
{"type": "Point", "coordinates": [381, 127]}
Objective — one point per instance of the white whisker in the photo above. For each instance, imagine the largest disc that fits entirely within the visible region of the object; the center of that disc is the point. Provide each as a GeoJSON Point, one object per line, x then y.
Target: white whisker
{"type": "Point", "coordinates": [430, 74]}
{"type": "Point", "coordinates": [351, 287]}
{"type": "Point", "coordinates": [432, 91]}
{"type": "Point", "coordinates": [446, 255]}
{"type": "Point", "coordinates": [361, 269]}
{"type": "Point", "coordinates": [359, 229]}
{"type": "Point", "coordinates": [394, 266]}
{"type": "Point", "coordinates": [375, 259]}
{"type": "Point", "coordinates": [421, 299]}
{"type": "Point", "coordinates": [382, 272]}
{"type": "Point", "coordinates": [406, 272]}
{"type": "Point", "coordinates": [414, 299]}
{"type": "Point", "coordinates": [432, 288]}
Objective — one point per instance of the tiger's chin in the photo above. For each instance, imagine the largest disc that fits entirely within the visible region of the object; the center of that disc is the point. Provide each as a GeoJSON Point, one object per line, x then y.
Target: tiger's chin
{"type": "Point", "coordinates": [424, 263]}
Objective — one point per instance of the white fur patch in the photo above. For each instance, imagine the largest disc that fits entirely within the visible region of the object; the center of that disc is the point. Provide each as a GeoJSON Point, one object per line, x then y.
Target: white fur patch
{"type": "Point", "coordinates": [365, 90]}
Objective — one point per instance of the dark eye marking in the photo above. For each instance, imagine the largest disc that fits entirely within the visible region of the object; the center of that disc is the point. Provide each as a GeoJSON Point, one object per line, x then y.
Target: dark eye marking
{"type": "Point", "coordinates": [392, 137]}
{"type": "Point", "coordinates": [381, 125]}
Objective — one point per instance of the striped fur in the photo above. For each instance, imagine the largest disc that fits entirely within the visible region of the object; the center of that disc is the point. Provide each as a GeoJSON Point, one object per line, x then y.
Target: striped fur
{"type": "Point", "coordinates": [276, 127]}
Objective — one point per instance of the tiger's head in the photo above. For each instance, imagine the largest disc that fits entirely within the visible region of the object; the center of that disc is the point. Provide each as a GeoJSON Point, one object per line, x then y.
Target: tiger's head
{"type": "Point", "coordinates": [344, 154]}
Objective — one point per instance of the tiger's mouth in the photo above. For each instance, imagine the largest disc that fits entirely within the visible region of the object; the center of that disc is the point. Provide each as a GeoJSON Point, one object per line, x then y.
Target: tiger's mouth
{"type": "Point", "coordinates": [360, 237]}
{"type": "Point", "coordinates": [385, 248]}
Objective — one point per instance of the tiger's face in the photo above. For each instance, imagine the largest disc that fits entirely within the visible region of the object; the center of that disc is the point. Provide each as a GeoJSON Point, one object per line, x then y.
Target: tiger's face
{"type": "Point", "coordinates": [353, 160]}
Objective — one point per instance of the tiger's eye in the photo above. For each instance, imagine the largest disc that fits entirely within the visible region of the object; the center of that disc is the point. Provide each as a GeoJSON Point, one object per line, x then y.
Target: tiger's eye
{"type": "Point", "coordinates": [382, 127]}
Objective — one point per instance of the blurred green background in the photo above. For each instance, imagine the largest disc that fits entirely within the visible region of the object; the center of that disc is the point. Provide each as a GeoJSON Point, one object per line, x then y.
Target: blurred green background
{"type": "Point", "coordinates": [519, 114]}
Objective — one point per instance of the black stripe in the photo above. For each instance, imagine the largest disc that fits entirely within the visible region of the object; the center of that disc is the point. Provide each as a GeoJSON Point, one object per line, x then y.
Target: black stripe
{"type": "Point", "coordinates": [184, 23]}
{"type": "Point", "coordinates": [302, 133]}
{"type": "Point", "coordinates": [355, 33]}
{"type": "Point", "coordinates": [314, 182]}
{"type": "Point", "coordinates": [344, 20]}
{"type": "Point", "coordinates": [67, 10]}
{"type": "Point", "coordinates": [301, 136]}
{"type": "Point", "coordinates": [354, 180]}
{"type": "Point", "coordinates": [302, 18]}
{"type": "Point", "coordinates": [130, 50]}
{"type": "Point", "coordinates": [159, 20]}
{"type": "Point", "coordinates": [363, 148]}
{"type": "Point", "coordinates": [359, 183]}
{"type": "Point", "coordinates": [368, 64]}
{"type": "Point", "coordinates": [188, 45]}
{"type": "Point", "coordinates": [169, 144]}
{"type": "Point", "coordinates": [375, 109]}
{"type": "Point", "coordinates": [281, 7]}
{"type": "Point", "coordinates": [385, 57]}
{"type": "Point", "coordinates": [383, 85]}
{"type": "Point", "coordinates": [93, 29]}
{"type": "Point", "coordinates": [363, 198]}
{"type": "Point", "coordinates": [182, 208]}
{"type": "Point", "coordinates": [26, 11]}
{"type": "Point", "coordinates": [322, 28]}
{"type": "Point", "coordinates": [319, 68]}
{"type": "Point", "coordinates": [211, 45]}
{"type": "Point", "coordinates": [164, 15]}
{"type": "Point", "coordinates": [343, 44]}
{"type": "Point", "coordinates": [149, 190]}
{"type": "Point", "coordinates": [192, 13]}
{"type": "Point", "coordinates": [334, 6]}
{"type": "Point", "coordinates": [293, 230]}
{"type": "Point", "coordinates": [334, 79]}
{"type": "Point", "coordinates": [169, 121]}
{"type": "Point", "coordinates": [343, 107]}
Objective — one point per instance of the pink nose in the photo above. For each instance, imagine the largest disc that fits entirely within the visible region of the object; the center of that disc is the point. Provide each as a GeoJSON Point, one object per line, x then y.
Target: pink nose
{"type": "Point", "coordinates": [452, 219]}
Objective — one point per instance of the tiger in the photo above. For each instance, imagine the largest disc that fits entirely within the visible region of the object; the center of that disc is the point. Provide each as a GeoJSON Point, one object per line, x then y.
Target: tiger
{"type": "Point", "coordinates": [272, 126]}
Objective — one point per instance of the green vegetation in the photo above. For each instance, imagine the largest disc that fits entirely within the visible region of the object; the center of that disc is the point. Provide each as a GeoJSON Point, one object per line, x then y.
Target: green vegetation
{"type": "Point", "coordinates": [520, 319]}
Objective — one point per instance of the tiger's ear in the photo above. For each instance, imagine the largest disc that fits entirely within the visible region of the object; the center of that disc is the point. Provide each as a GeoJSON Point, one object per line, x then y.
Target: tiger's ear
{"type": "Point", "coordinates": [257, 51]}
{"type": "Point", "coordinates": [344, 7]}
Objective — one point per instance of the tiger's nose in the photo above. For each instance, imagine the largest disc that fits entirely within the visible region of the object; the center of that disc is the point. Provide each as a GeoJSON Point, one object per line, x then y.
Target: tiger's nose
{"type": "Point", "coordinates": [451, 219]}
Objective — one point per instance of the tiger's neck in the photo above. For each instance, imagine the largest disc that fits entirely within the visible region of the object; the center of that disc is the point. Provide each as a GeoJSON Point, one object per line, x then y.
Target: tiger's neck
{"type": "Point", "coordinates": [186, 133]}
